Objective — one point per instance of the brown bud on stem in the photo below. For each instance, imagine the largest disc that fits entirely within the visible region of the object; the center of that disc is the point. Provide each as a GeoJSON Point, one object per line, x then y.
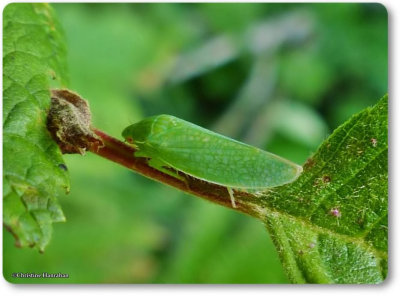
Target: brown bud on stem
{"type": "Point", "coordinates": [69, 122]}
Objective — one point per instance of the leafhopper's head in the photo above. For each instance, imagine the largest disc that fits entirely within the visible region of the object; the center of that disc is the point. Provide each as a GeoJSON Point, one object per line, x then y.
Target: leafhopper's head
{"type": "Point", "coordinates": [137, 132]}
{"type": "Point", "coordinates": [141, 131]}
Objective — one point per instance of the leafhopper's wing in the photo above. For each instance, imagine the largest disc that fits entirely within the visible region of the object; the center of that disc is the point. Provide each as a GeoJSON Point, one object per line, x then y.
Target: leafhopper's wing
{"type": "Point", "coordinates": [209, 156]}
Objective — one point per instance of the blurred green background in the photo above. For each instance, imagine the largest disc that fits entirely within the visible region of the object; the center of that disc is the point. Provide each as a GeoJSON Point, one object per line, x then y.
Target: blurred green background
{"type": "Point", "coordinates": [278, 76]}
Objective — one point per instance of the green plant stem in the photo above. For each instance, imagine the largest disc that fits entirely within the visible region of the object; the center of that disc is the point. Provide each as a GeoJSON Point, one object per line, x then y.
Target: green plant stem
{"type": "Point", "coordinates": [123, 154]}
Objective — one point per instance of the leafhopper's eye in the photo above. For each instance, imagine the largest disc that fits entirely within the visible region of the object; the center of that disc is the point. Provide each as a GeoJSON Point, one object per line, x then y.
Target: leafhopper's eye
{"type": "Point", "coordinates": [129, 140]}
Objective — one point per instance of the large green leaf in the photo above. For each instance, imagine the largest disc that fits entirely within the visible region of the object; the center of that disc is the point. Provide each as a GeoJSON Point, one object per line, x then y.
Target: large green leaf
{"type": "Point", "coordinates": [330, 225]}
{"type": "Point", "coordinates": [34, 171]}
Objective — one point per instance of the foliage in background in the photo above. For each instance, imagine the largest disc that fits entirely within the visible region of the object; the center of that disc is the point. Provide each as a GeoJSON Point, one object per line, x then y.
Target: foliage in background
{"type": "Point", "coordinates": [333, 67]}
{"type": "Point", "coordinates": [33, 54]}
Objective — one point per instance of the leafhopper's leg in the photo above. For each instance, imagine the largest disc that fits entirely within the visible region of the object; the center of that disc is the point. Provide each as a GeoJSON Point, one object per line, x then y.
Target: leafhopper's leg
{"type": "Point", "coordinates": [161, 166]}
{"type": "Point", "coordinates": [230, 191]}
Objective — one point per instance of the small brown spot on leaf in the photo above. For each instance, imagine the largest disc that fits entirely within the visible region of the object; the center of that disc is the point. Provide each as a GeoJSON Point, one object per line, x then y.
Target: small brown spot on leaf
{"type": "Point", "coordinates": [309, 163]}
{"type": "Point", "coordinates": [326, 179]}
{"type": "Point", "coordinates": [360, 221]}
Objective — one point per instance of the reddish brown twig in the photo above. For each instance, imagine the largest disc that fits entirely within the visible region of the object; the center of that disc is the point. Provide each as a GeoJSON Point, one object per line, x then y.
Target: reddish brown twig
{"type": "Point", "coordinates": [123, 154]}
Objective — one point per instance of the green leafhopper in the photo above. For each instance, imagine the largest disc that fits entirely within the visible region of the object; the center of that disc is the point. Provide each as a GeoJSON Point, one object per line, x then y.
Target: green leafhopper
{"type": "Point", "coordinates": [170, 142]}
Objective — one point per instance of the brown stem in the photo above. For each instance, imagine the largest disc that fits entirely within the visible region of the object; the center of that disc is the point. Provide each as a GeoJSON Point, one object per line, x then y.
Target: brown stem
{"type": "Point", "coordinates": [122, 153]}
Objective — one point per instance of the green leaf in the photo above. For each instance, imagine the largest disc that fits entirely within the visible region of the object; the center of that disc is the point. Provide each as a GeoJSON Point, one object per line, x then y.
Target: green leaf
{"type": "Point", "coordinates": [34, 171]}
{"type": "Point", "coordinates": [330, 225]}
